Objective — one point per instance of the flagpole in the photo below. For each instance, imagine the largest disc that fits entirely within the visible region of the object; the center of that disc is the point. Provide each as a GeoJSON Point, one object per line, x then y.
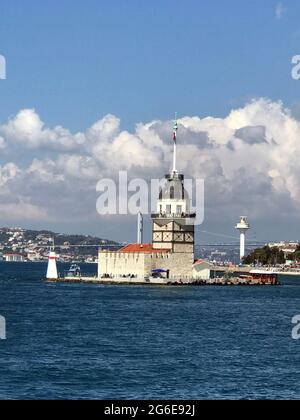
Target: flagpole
{"type": "Point", "coordinates": [174, 157]}
{"type": "Point", "coordinates": [175, 145]}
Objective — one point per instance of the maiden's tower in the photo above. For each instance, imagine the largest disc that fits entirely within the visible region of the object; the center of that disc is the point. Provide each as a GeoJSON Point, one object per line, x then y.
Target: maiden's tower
{"type": "Point", "coordinates": [171, 253]}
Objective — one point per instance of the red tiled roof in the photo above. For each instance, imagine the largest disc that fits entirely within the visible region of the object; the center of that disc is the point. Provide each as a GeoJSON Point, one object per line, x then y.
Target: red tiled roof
{"type": "Point", "coordinates": [197, 262]}
{"type": "Point", "coordinates": [143, 249]}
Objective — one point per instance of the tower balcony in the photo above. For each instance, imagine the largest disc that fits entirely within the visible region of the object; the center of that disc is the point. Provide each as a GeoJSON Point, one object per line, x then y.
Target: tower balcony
{"type": "Point", "coordinates": [173, 216]}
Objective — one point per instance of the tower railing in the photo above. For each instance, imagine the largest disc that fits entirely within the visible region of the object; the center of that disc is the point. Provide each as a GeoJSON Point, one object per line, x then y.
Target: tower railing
{"type": "Point", "coordinates": [173, 216]}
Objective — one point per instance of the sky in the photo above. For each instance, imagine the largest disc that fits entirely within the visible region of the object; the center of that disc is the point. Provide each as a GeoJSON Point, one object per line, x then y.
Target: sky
{"type": "Point", "coordinates": [92, 87]}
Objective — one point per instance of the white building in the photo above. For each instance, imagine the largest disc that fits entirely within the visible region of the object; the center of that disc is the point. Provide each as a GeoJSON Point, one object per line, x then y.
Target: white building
{"type": "Point", "coordinates": [14, 258]}
{"type": "Point", "coordinates": [202, 270]}
{"type": "Point", "coordinates": [288, 248]}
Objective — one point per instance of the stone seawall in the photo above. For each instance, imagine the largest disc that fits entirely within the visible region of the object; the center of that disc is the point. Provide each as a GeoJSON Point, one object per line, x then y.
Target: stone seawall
{"type": "Point", "coordinates": [164, 282]}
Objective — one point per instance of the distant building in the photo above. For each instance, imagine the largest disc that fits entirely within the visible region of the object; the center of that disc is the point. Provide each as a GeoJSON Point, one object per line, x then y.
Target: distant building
{"type": "Point", "coordinates": [14, 258]}
{"type": "Point", "coordinates": [288, 248]}
{"type": "Point", "coordinates": [33, 256]}
{"type": "Point", "coordinates": [202, 270]}
{"type": "Point", "coordinates": [91, 260]}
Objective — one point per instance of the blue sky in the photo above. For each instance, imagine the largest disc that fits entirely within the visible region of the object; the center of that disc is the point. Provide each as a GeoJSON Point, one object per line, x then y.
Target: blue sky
{"type": "Point", "coordinates": [75, 62]}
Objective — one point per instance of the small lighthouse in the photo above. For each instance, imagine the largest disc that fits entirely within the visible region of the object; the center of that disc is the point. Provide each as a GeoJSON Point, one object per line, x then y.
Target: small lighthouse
{"type": "Point", "coordinates": [243, 226]}
{"type": "Point", "coordinates": [52, 273]}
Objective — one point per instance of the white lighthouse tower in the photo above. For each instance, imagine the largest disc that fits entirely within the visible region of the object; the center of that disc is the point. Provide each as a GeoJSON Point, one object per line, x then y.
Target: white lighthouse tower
{"type": "Point", "coordinates": [243, 226]}
{"type": "Point", "coordinates": [52, 273]}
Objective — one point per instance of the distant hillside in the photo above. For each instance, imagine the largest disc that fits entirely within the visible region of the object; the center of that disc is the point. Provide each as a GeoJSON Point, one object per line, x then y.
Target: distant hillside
{"type": "Point", "coordinates": [34, 245]}
{"type": "Point", "coordinates": [61, 238]}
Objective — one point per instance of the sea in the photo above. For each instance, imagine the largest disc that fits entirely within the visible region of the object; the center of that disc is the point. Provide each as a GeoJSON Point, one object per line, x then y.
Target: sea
{"type": "Point", "coordinates": [75, 341]}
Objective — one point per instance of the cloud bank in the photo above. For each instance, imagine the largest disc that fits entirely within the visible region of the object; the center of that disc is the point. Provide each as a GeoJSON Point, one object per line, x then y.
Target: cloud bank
{"type": "Point", "coordinates": [250, 161]}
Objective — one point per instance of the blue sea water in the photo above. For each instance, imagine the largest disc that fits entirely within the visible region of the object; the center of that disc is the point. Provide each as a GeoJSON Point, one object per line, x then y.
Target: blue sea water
{"type": "Point", "coordinates": [68, 341]}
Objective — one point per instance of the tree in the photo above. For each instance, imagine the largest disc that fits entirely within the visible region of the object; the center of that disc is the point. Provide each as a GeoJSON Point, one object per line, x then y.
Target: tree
{"type": "Point", "coordinates": [265, 256]}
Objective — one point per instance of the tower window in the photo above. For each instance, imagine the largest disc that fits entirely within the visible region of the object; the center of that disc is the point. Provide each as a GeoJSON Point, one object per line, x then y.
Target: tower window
{"type": "Point", "coordinates": [160, 194]}
{"type": "Point", "coordinates": [172, 193]}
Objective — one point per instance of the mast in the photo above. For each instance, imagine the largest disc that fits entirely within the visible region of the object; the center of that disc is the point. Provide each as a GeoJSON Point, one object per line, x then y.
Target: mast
{"type": "Point", "coordinates": [175, 144]}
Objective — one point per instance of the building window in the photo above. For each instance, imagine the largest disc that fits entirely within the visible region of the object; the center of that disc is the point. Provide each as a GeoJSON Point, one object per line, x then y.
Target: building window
{"type": "Point", "coordinates": [169, 209]}
{"type": "Point", "coordinates": [179, 209]}
{"type": "Point", "coordinates": [172, 193]}
{"type": "Point", "coordinates": [160, 194]}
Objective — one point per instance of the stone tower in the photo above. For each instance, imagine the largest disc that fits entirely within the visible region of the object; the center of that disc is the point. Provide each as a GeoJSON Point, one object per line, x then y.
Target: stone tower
{"type": "Point", "coordinates": [173, 224]}
{"type": "Point", "coordinates": [172, 249]}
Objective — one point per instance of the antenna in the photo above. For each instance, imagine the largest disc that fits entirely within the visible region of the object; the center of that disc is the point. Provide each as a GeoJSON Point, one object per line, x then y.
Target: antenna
{"type": "Point", "coordinates": [140, 229]}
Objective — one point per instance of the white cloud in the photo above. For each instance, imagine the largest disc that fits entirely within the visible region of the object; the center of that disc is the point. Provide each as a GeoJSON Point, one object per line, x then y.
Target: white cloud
{"type": "Point", "coordinates": [28, 130]}
{"type": "Point", "coordinates": [249, 160]}
{"type": "Point", "coordinates": [2, 143]}
{"type": "Point", "coordinates": [22, 211]}
{"type": "Point", "coordinates": [7, 173]}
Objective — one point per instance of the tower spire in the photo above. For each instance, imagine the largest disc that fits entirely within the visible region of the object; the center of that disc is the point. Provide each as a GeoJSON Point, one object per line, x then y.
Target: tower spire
{"type": "Point", "coordinates": [175, 144]}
